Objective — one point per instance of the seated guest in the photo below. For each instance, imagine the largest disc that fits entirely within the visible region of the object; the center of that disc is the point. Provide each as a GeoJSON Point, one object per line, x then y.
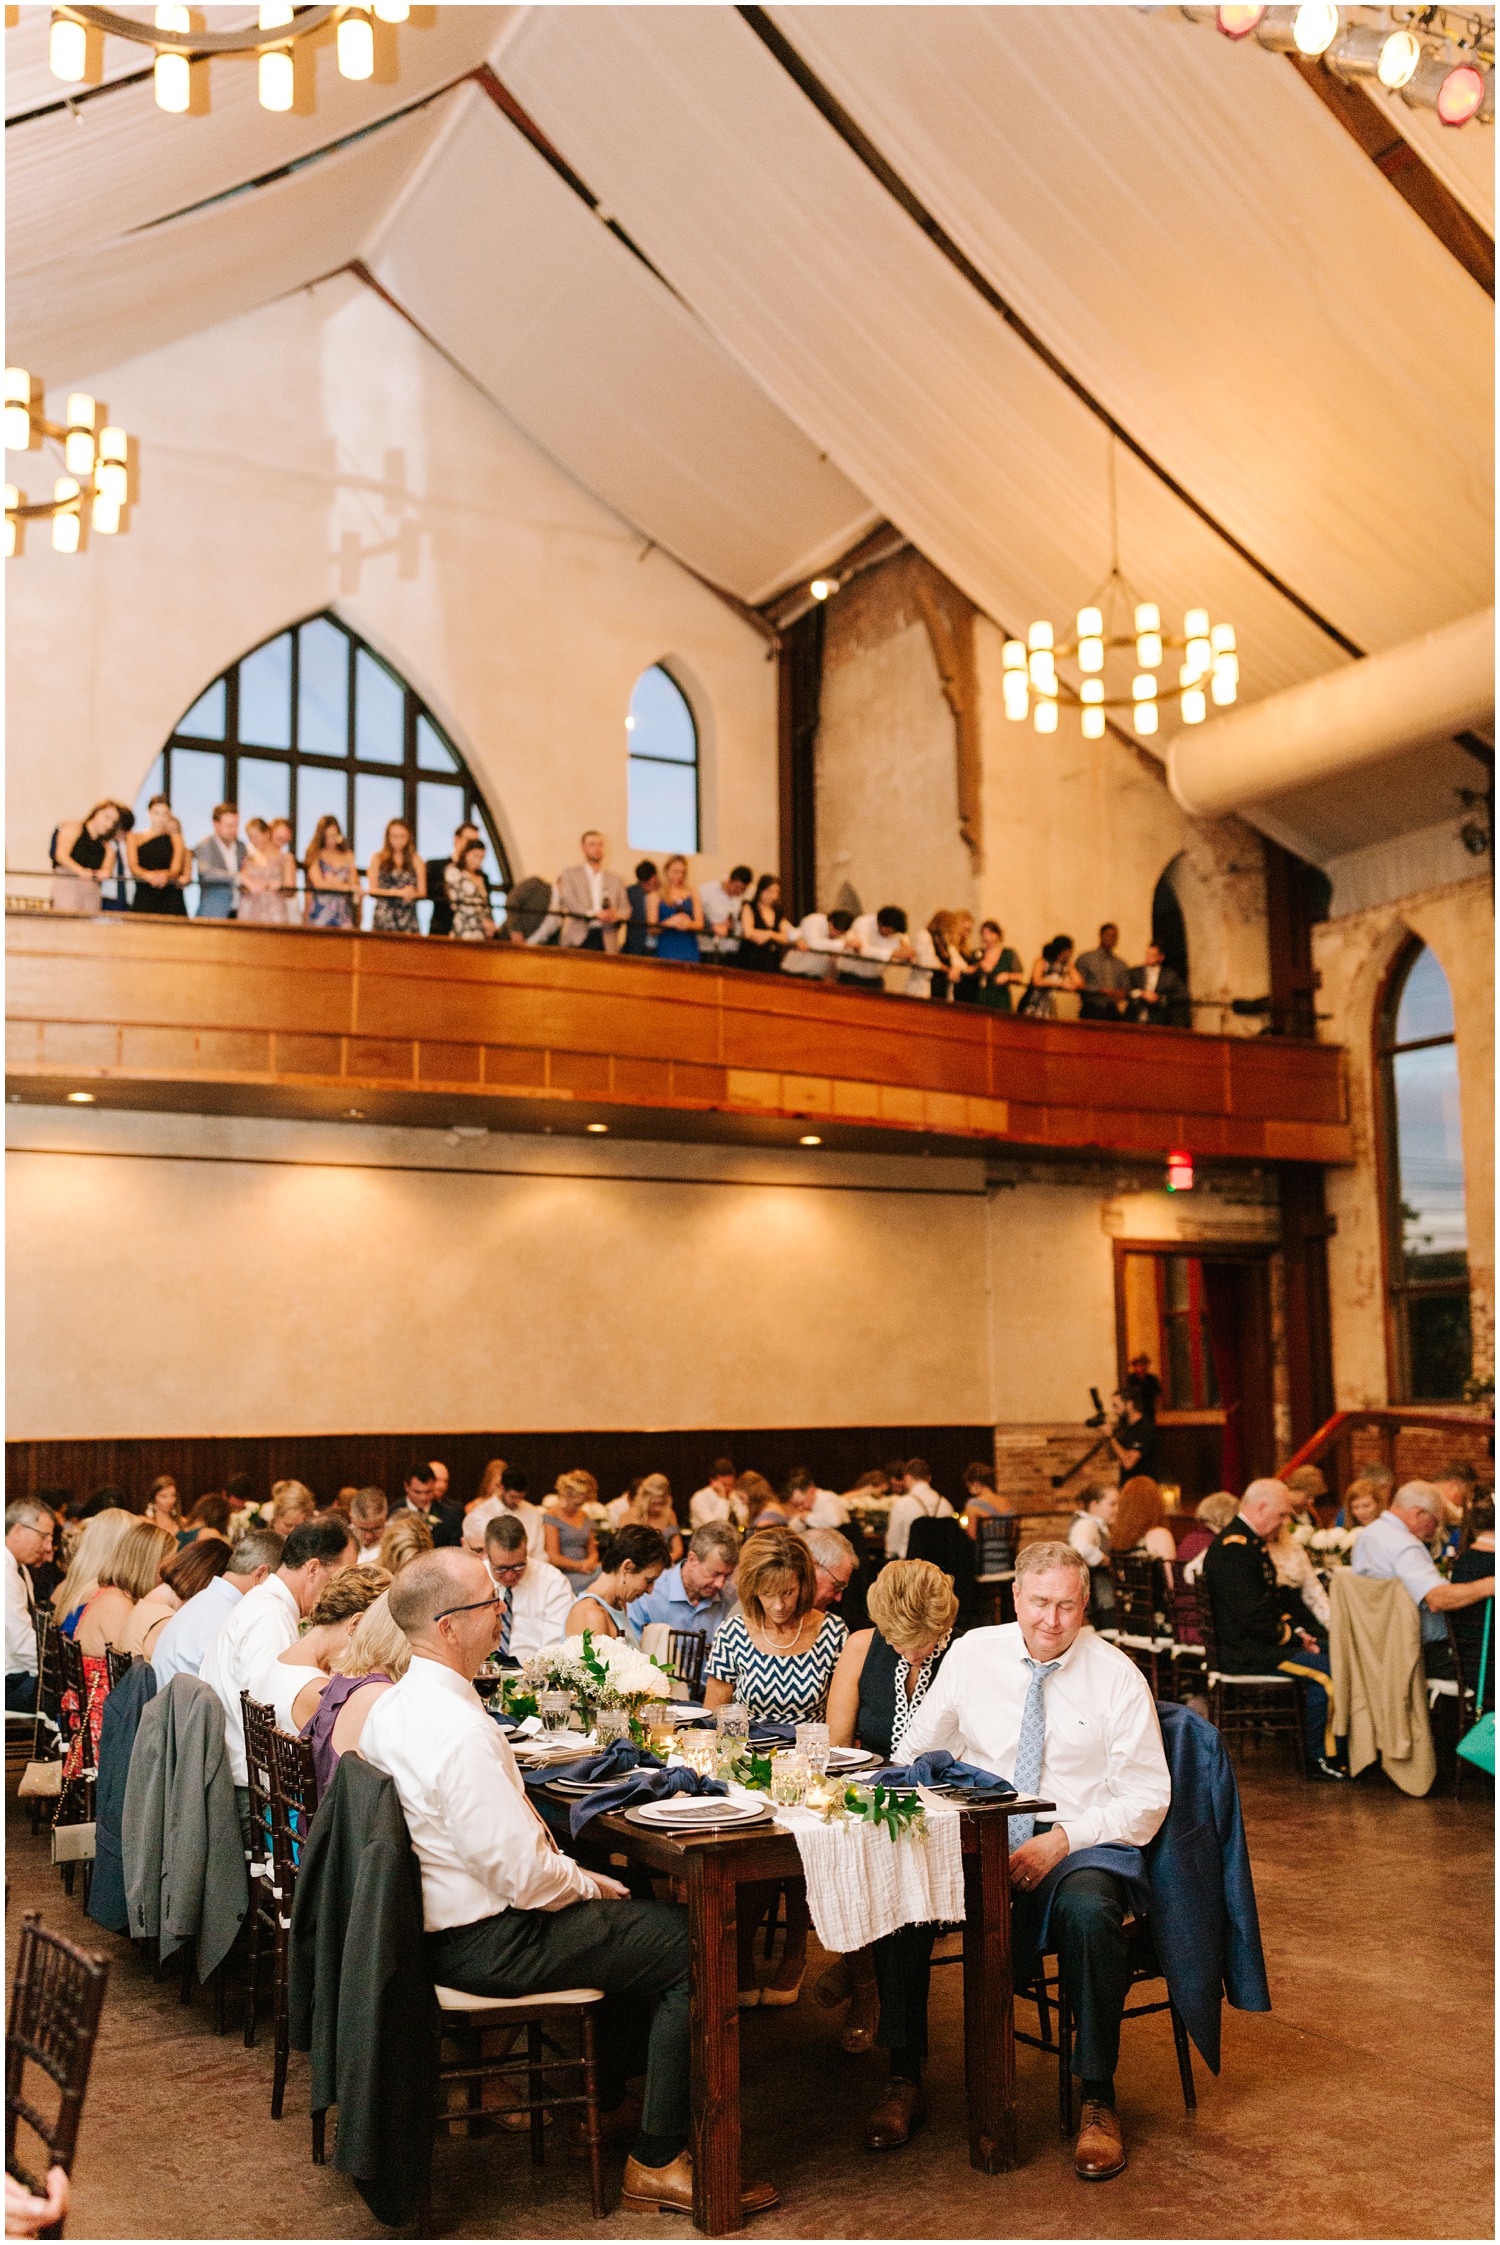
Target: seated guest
{"type": "Point", "coordinates": [1396, 1544]}
{"type": "Point", "coordinates": [406, 1537]}
{"type": "Point", "coordinates": [1090, 1532]}
{"type": "Point", "coordinates": [817, 944]}
{"type": "Point", "coordinates": [875, 941]}
{"type": "Point", "coordinates": [212, 1517]}
{"type": "Point", "coordinates": [298, 1677]}
{"type": "Point", "coordinates": [763, 933]}
{"type": "Point", "coordinates": [1296, 1572]}
{"type": "Point", "coordinates": [1457, 1485]}
{"type": "Point", "coordinates": [1105, 979]}
{"type": "Point", "coordinates": [506, 1913]}
{"type": "Point", "coordinates": [183, 1575]}
{"type": "Point", "coordinates": [1310, 1490]}
{"type": "Point", "coordinates": [696, 1593]}
{"type": "Point", "coordinates": [161, 1503]}
{"type": "Point", "coordinates": [1140, 1522]}
{"type": "Point", "coordinates": [263, 1624]}
{"type": "Point", "coordinates": [513, 1499]}
{"type": "Point", "coordinates": [717, 1500]}
{"type": "Point", "coordinates": [1052, 972]}
{"type": "Point", "coordinates": [93, 1555]}
{"type": "Point", "coordinates": [723, 902]}
{"type": "Point", "coordinates": [1133, 1436]}
{"type": "Point", "coordinates": [640, 936]}
{"type": "Point", "coordinates": [1364, 1501]}
{"type": "Point", "coordinates": [486, 1498]}
{"type": "Point", "coordinates": [834, 1564]}
{"type": "Point", "coordinates": [130, 1576]}
{"type": "Point", "coordinates": [981, 1500]}
{"type": "Point", "coordinates": [652, 1507]}
{"type": "Point", "coordinates": [29, 1532]}
{"type": "Point", "coordinates": [1158, 993]}
{"type": "Point", "coordinates": [798, 1498]}
{"type": "Point", "coordinates": [1050, 1705]}
{"type": "Point", "coordinates": [995, 973]}
{"type": "Point", "coordinates": [636, 1557]}
{"type": "Point", "coordinates": [419, 1495]}
{"type": "Point", "coordinates": [181, 1645]}
{"type": "Point", "coordinates": [292, 1502]}
{"type": "Point", "coordinates": [368, 1513]}
{"type": "Point", "coordinates": [764, 1509]}
{"type": "Point", "coordinates": [376, 1657]}
{"type": "Point", "coordinates": [828, 1507]}
{"type": "Point", "coordinates": [536, 1598]}
{"type": "Point", "coordinates": [883, 1676]}
{"type": "Point", "coordinates": [1261, 1627]}
{"type": "Point", "coordinates": [567, 1532]}
{"type": "Point", "coordinates": [776, 1656]}
{"type": "Point", "coordinates": [1211, 1514]}
{"type": "Point", "coordinates": [1475, 1560]}
{"type": "Point", "coordinates": [918, 1500]}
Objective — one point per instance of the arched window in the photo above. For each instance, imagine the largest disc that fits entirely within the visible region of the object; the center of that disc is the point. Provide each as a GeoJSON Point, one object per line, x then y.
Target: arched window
{"type": "Point", "coordinates": [663, 742]}
{"type": "Point", "coordinates": [1427, 1254]}
{"type": "Point", "coordinates": [312, 722]}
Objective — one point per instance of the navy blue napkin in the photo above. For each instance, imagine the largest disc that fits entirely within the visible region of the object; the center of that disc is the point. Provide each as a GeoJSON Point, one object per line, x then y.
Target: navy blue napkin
{"type": "Point", "coordinates": [656, 1784]}
{"type": "Point", "coordinates": [938, 1768]}
{"type": "Point", "coordinates": [612, 1761]}
{"type": "Point", "coordinates": [773, 1734]}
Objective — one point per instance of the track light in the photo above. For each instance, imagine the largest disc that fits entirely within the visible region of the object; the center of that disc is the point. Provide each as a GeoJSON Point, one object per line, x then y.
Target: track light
{"type": "Point", "coordinates": [1238, 23]}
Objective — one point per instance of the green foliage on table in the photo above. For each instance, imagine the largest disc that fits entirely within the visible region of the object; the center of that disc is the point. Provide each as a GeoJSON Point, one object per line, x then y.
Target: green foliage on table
{"type": "Point", "coordinates": [751, 1770]}
{"type": "Point", "coordinates": [885, 1807]}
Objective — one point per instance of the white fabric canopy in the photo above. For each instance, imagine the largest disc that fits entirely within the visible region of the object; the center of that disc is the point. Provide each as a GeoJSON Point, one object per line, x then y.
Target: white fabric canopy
{"type": "Point", "coordinates": [509, 270]}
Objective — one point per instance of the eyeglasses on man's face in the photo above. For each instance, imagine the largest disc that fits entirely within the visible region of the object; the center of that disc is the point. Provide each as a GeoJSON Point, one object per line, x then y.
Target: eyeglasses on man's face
{"type": "Point", "coordinates": [477, 1607]}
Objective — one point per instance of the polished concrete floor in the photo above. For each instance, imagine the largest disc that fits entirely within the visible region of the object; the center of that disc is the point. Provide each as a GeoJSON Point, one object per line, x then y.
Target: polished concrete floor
{"type": "Point", "coordinates": [1360, 2107]}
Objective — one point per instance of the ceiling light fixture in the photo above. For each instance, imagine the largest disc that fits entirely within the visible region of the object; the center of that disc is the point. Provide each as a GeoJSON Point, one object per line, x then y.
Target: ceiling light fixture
{"type": "Point", "coordinates": [810, 1138]}
{"type": "Point", "coordinates": [596, 1130]}
{"type": "Point", "coordinates": [279, 30]}
{"type": "Point", "coordinates": [823, 588]}
{"type": "Point", "coordinates": [80, 1099]}
{"type": "Point", "coordinates": [1436, 58]}
{"type": "Point", "coordinates": [97, 463]}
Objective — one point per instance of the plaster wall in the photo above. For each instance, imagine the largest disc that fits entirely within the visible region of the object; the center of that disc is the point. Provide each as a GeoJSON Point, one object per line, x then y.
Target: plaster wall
{"type": "Point", "coordinates": [1354, 957]}
{"type": "Point", "coordinates": [318, 452]}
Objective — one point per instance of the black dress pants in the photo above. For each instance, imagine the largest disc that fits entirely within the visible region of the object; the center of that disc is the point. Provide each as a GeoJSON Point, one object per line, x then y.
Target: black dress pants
{"type": "Point", "coordinates": [1086, 1932]}
{"type": "Point", "coordinates": [903, 1970]}
{"type": "Point", "coordinates": [637, 1952]}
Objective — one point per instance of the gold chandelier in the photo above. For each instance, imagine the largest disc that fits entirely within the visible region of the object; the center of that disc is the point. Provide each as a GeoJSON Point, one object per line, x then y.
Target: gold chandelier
{"type": "Point", "coordinates": [1209, 669]}
{"type": "Point", "coordinates": [177, 46]}
{"type": "Point", "coordinates": [97, 461]}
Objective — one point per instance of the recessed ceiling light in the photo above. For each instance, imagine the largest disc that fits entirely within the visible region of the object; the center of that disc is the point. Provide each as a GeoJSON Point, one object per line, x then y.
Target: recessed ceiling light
{"type": "Point", "coordinates": [354, 1114]}
{"type": "Point", "coordinates": [596, 1130]}
{"type": "Point", "coordinates": [81, 1098]}
{"type": "Point", "coordinates": [810, 1139]}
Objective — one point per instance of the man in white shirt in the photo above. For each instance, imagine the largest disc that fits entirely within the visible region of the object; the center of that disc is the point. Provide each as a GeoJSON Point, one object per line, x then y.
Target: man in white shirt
{"type": "Point", "coordinates": [28, 1544]}
{"type": "Point", "coordinates": [918, 1501]}
{"type": "Point", "coordinates": [181, 1645]}
{"type": "Point", "coordinates": [716, 1500]}
{"type": "Point", "coordinates": [835, 1562]}
{"type": "Point", "coordinates": [721, 901]}
{"type": "Point", "coordinates": [589, 904]}
{"type": "Point", "coordinates": [876, 940]}
{"type": "Point", "coordinates": [506, 1912]}
{"type": "Point", "coordinates": [536, 1598]}
{"type": "Point", "coordinates": [1047, 1703]}
{"type": "Point", "coordinates": [263, 1624]}
{"type": "Point", "coordinates": [368, 1512]}
{"type": "Point", "coordinates": [1398, 1544]}
{"type": "Point", "coordinates": [818, 945]}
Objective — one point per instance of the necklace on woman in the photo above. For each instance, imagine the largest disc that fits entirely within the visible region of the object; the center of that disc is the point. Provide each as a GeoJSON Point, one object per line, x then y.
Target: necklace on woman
{"type": "Point", "coordinates": [771, 1641]}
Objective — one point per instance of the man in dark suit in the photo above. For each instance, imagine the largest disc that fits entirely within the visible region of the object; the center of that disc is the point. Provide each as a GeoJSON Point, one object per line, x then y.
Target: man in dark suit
{"type": "Point", "coordinates": [1158, 992]}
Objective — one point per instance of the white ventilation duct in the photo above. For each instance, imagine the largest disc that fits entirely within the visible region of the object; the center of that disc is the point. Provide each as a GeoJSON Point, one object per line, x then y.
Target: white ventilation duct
{"type": "Point", "coordinates": [1344, 724]}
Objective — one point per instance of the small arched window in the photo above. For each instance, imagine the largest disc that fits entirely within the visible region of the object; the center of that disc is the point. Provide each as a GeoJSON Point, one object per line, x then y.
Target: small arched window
{"type": "Point", "coordinates": [1427, 1229]}
{"type": "Point", "coordinates": [312, 722]}
{"type": "Point", "coordinates": [663, 742]}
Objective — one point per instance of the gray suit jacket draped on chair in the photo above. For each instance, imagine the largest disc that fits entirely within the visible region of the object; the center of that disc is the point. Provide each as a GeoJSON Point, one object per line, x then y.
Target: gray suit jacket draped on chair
{"type": "Point", "coordinates": [185, 1877]}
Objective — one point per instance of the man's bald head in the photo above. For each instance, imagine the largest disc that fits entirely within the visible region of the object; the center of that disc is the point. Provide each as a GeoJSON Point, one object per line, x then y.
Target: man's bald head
{"type": "Point", "coordinates": [429, 1585]}
{"type": "Point", "coordinates": [1266, 1504]}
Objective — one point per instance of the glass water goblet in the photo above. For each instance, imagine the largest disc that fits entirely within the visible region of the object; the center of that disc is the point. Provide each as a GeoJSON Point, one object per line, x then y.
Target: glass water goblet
{"type": "Point", "coordinates": [556, 1711]}
{"type": "Point", "coordinates": [813, 1746]}
{"type": "Point", "coordinates": [789, 1779]}
{"type": "Point", "coordinates": [610, 1724]}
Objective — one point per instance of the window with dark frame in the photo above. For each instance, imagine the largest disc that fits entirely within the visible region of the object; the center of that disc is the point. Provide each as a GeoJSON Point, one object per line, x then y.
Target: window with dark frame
{"type": "Point", "coordinates": [662, 734]}
{"type": "Point", "coordinates": [312, 722]}
{"type": "Point", "coordinates": [1427, 1247]}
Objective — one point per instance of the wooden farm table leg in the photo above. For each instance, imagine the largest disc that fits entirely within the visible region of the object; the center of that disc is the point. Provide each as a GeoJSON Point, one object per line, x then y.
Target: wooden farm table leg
{"type": "Point", "coordinates": [989, 2012]}
{"type": "Point", "coordinates": [717, 2207]}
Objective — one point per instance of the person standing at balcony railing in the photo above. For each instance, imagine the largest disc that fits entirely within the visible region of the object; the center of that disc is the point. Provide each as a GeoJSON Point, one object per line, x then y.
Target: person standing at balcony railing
{"type": "Point", "coordinates": [83, 855]}
{"type": "Point", "coordinates": [436, 870]}
{"type": "Point", "coordinates": [876, 940]}
{"type": "Point", "coordinates": [1158, 992]}
{"type": "Point", "coordinates": [218, 858]}
{"type": "Point", "coordinates": [159, 864]}
{"type": "Point", "coordinates": [817, 945]}
{"type": "Point", "coordinates": [281, 845]}
{"type": "Point", "coordinates": [589, 904]}
{"type": "Point", "coordinates": [995, 972]}
{"type": "Point", "coordinates": [941, 951]}
{"type": "Point", "coordinates": [722, 904]}
{"type": "Point", "coordinates": [469, 896]}
{"type": "Point", "coordinates": [261, 876]}
{"type": "Point", "coordinates": [397, 879]}
{"type": "Point", "coordinates": [1105, 979]}
{"type": "Point", "coordinates": [640, 937]}
{"type": "Point", "coordinates": [764, 934]}
{"type": "Point", "coordinates": [1052, 972]}
{"type": "Point", "coordinates": [676, 914]}
{"type": "Point", "coordinates": [332, 877]}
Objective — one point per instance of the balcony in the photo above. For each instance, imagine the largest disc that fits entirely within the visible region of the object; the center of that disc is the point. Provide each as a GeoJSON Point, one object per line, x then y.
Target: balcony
{"type": "Point", "coordinates": [210, 1017]}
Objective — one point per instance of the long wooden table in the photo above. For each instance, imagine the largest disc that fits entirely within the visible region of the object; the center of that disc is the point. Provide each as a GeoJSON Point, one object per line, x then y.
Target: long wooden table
{"type": "Point", "coordinates": [713, 1869]}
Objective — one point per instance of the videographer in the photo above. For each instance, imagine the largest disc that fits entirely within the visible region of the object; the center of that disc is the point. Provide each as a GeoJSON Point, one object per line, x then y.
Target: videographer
{"type": "Point", "coordinates": [1133, 1437]}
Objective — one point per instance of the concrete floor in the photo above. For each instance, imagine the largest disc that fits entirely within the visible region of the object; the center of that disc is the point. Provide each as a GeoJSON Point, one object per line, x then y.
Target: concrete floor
{"type": "Point", "coordinates": [1360, 2107]}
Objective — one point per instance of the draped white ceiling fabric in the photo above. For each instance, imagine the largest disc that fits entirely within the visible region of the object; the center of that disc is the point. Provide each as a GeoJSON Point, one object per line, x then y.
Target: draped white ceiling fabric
{"type": "Point", "coordinates": [599, 363]}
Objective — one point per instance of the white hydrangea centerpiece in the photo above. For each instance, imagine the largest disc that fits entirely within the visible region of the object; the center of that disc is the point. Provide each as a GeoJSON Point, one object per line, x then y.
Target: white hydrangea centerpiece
{"type": "Point", "coordinates": [600, 1672]}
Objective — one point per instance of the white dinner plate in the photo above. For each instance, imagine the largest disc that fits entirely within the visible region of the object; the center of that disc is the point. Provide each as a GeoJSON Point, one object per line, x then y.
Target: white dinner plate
{"type": "Point", "coordinates": [850, 1757]}
{"type": "Point", "coordinates": [700, 1809]}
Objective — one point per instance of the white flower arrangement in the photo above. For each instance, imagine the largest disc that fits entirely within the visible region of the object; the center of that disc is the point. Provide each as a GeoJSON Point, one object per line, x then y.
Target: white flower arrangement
{"type": "Point", "coordinates": [604, 1671]}
{"type": "Point", "coordinates": [1336, 1542]}
{"type": "Point", "coordinates": [1303, 1534]}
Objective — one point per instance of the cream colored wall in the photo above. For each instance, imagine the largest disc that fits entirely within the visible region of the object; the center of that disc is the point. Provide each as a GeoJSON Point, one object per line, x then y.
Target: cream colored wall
{"type": "Point", "coordinates": [1354, 956]}
{"type": "Point", "coordinates": [318, 453]}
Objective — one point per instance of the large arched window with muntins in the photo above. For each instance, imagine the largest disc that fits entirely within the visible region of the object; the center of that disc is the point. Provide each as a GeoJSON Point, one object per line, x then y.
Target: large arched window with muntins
{"type": "Point", "coordinates": [310, 722]}
{"type": "Point", "coordinates": [663, 742]}
{"type": "Point", "coordinates": [1427, 1228]}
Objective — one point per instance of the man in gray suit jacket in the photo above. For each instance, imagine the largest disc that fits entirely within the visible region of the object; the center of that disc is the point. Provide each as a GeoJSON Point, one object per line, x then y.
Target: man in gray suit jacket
{"type": "Point", "coordinates": [589, 903]}
{"type": "Point", "coordinates": [218, 858]}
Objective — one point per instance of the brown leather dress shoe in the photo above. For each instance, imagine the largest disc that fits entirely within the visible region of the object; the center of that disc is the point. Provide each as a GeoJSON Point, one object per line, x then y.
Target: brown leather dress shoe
{"type": "Point", "coordinates": [669, 2190]}
{"type": "Point", "coordinates": [900, 2110]}
{"type": "Point", "coordinates": [1100, 2150]}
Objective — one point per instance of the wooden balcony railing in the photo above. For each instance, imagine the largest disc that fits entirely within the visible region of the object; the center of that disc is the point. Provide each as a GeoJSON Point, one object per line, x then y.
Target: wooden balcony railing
{"type": "Point", "coordinates": [1332, 1447]}
{"type": "Point", "coordinates": [256, 1020]}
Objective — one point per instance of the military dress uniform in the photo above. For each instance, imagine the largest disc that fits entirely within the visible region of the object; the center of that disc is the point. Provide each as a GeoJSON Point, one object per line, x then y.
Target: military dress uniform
{"type": "Point", "coordinates": [1253, 1621]}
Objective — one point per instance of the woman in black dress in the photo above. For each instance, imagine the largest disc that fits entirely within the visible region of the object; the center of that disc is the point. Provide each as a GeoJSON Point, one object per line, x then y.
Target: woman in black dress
{"type": "Point", "coordinates": [159, 864]}
{"type": "Point", "coordinates": [995, 974]}
{"type": "Point", "coordinates": [763, 934]}
{"type": "Point", "coordinates": [1475, 1560]}
{"type": "Point", "coordinates": [83, 857]}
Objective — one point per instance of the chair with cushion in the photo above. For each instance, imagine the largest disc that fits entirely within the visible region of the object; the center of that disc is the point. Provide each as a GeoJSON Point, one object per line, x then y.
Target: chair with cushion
{"type": "Point", "coordinates": [1189, 1656]}
{"type": "Point", "coordinates": [1252, 1706]}
{"type": "Point", "coordinates": [260, 1861]}
{"type": "Point", "coordinates": [116, 1665]}
{"type": "Point", "coordinates": [1140, 1622]}
{"type": "Point", "coordinates": [995, 1562]}
{"type": "Point", "coordinates": [687, 1650]}
{"type": "Point", "coordinates": [294, 1796]}
{"type": "Point", "coordinates": [950, 1547]}
{"type": "Point", "coordinates": [57, 1994]}
{"type": "Point", "coordinates": [464, 2021]}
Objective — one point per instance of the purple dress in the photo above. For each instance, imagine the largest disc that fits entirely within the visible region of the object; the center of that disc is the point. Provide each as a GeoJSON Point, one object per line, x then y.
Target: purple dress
{"type": "Point", "coordinates": [318, 1729]}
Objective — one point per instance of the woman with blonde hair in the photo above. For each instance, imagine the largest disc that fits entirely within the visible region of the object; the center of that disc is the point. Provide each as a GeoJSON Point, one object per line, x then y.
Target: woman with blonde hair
{"type": "Point", "coordinates": [292, 1502]}
{"type": "Point", "coordinates": [406, 1538]}
{"type": "Point", "coordinates": [1364, 1501]}
{"type": "Point", "coordinates": [1140, 1522]}
{"type": "Point", "coordinates": [941, 956]}
{"type": "Point", "coordinates": [762, 1506]}
{"type": "Point", "coordinates": [569, 1532]}
{"type": "Point", "coordinates": [260, 899]}
{"type": "Point", "coordinates": [129, 1576]}
{"type": "Point", "coordinates": [93, 1556]}
{"type": "Point", "coordinates": [299, 1676]}
{"type": "Point", "coordinates": [652, 1507]}
{"type": "Point", "coordinates": [676, 913]}
{"type": "Point", "coordinates": [187, 1572]}
{"type": "Point", "coordinates": [377, 1656]}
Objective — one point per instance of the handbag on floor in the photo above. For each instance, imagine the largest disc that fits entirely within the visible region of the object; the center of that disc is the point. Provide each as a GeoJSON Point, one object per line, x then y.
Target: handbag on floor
{"type": "Point", "coordinates": [1478, 1745]}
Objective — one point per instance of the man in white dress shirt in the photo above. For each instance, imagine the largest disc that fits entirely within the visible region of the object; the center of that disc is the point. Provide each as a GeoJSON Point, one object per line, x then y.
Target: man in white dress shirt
{"type": "Point", "coordinates": [1049, 1704]}
{"type": "Point", "coordinates": [263, 1624]}
{"type": "Point", "coordinates": [181, 1645]}
{"type": "Point", "coordinates": [536, 1597]}
{"type": "Point", "coordinates": [28, 1543]}
{"type": "Point", "coordinates": [721, 901]}
{"type": "Point", "coordinates": [506, 1912]}
{"type": "Point", "coordinates": [716, 1500]}
{"type": "Point", "coordinates": [918, 1501]}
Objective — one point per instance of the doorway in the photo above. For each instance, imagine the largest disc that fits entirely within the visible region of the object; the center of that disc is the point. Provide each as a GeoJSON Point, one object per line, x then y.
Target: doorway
{"type": "Point", "coordinates": [1204, 1322]}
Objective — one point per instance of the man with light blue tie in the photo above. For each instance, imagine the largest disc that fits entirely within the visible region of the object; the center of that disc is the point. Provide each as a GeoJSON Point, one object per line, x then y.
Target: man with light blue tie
{"type": "Point", "coordinates": [1047, 1703]}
